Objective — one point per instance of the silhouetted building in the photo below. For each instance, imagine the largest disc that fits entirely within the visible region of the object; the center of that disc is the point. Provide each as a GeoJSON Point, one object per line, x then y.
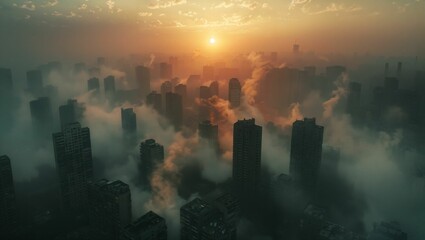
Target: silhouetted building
{"type": "Point", "coordinates": [154, 100]}
{"type": "Point", "coordinates": [246, 156]}
{"type": "Point", "coordinates": [306, 153]}
{"type": "Point", "coordinates": [208, 73]}
{"type": "Point", "coordinates": [387, 69]}
{"type": "Point", "coordinates": [8, 204]}
{"type": "Point", "coordinates": [209, 132]}
{"type": "Point", "coordinates": [391, 84]}
{"type": "Point", "coordinates": [333, 72]}
{"type": "Point", "coordinates": [109, 85]}
{"type": "Point", "coordinates": [128, 120]}
{"type": "Point", "coordinates": [174, 109]}
{"type": "Point", "coordinates": [35, 82]}
{"type": "Point", "coordinates": [181, 90]}
{"type": "Point", "coordinates": [6, 83]}
{"type": "Point", "coordinates": [74, 164]}
{"type": "Point", "coordinates": [234, 93]}
{"type": "Point", "coordinates": [229, 207]}
{"type": "Point", "coordinates": [165, 70]}
{"type": "Point", "coordinates": [387, 231]}
{"type": "Point", "coordinates": [201, 220]}
{"type": "Point", "coordinates": [214, 88]}
{"type": "Point", "coordinates": [143, 79]}
{"type": "Point", "coordinates": [310, 71]}
{"type": "Point", "coordinates": [93, 85]}
{"type": "Point", "coordinates": [148, 227]}
{"type": "Point", "coordinates": [151, 155]}
{"type": "Point", "coordinates": [166, 87]}
{"type": "Point", "coordinates": [109, 208]}
{"type": "Point", "coordinates": [354, 104]}
{"type": "Point", "coordinates": [204, 110]}
{"type": "Point", "coordinates": [41, 115]}
{"type": "Point", "coordinates": [71, 112]}
{"type": "Point", "coordinates": [399, 69]}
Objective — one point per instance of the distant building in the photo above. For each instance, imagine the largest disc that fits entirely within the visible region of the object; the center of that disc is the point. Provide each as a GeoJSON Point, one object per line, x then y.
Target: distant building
{"type": "Point", "coordinates": [209, 132]}
{"type": "Point", "coordinates": [71, 112]}
{"type": "Point", "coordinates": [42, 116]}
{"type": "Point", "coordinates": [148, 227]}
{"type": "Point", "coordinates": [247, 138]}
{"type": "Point", "coordinates": [151, 155]}
{"type": "Point", "coordinates": [214, 88]}
{"type": "Point", "coordinates": [333, 72]}
{"type": "Point", "coordinates": [93, 85]}
{"type": "Point", "coordinates": [354, 104]}
{"type": "Point", "coordinates": [306, 153]}
{"type": "Point", "coordinates": [74, 164]}
{"type": "Point", "coordinates": [201, 220]}
{"type": "Point", "coordinates": [8, 204]}
{"type": "Point", "coordinates": [35, 82]}
{"type": "Point", "coordinates": [109, 85]}
{"type": "Point", "coordinates": [109, 208]}
{"type": "Point", "coordinates": [128, 120]}
{"type": "Point", "coordinates": [166, 87]}
{"type": "Point", "coordinates": [165, 70]}
{"type": "Point", "coordinates": [143, 79]}
{"type": "Point", "coordinates": [174, 109]}
{"type": "Point", "coordinates": [154, 100]}
{"type": "Point", "coordinates": [181, 90]}
{"type": "Point", "coordinates": [387, 231]}
{"type": "Point", "coordinates": [204, 110]}
{"type": "Point", "coordinates": [296, 48]}
{"type": "Point", "coordinates": [234, 93]}
{"type": "Point", "coordinates": [6, 83]}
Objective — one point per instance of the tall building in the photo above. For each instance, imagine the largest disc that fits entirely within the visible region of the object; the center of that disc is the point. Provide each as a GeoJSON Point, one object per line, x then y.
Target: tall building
{"type": "Point", "coordinates": [154, 100]}
{"type": "Point", "coordinates": [109, 85]}
{"type": "Point", "coordinates": [71, 112]}
{"type": "Point", "coordinates": [306, 153]}
{"type": "Point", "coordinates": [128, 120]}
{"type": "Point", "coordinates": [387, 231]}
{"type": "Point", "coordinates": [151, 155]}
{"type": "Point", "coordinates": [214, 88]}
{"type": "Point", "coordinates": [35, 82]}
{"type": "Point", "coordinates": [234, 93]}
{"type": "Point", "coordinates": [181, 90]}
{"type": "Point", "coordinates": [201, 220]}
{"type": "Point", "coordinates": [246, 156]}
{"type": "Point", "coordinates": [166, 87]}
{"type": "Point", "coordinates": [109, 208]}
{"type": "Point", "coordinates": [354, 106]}
{"type": "Point", "coordinates": [399, 69]}
{"type": "Point", "coordinates": [8, 205]}
{"type": "Point", "coordinates": [165, 70]}
{"type": "Point", "coordinates": [41, 115]}
{"type": "Point", "coordinates": [143, 79]}
{"type": "Point", "coordinates": [174, 109]}
{"type": "Point", "coordinates": [204, 110]}
{"type": "Point", "coordinates": [6, 83]}
{"type": "Point", "coordinates": [209, 132]}
{"type": "Point", "coordinates": [93, 85]}
{"type": "Point", "coordinates": [333, 72]}
{"type": "Point", "coordinates": [148, 227]}
{"type": "Point", "coordinates": [74, 164]}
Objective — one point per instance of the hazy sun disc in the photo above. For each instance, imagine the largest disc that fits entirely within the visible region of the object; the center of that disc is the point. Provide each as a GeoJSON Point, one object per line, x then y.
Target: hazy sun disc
{"type": "Point", "coordinates": [212, 40]}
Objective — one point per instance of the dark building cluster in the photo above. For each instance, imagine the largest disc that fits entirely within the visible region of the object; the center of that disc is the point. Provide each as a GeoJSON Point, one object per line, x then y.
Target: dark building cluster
{"type": "Point", "coordinates": [288, 206]}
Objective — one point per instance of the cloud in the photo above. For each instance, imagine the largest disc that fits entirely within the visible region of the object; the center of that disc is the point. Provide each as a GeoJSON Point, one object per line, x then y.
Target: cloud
{"type": "Point", "coordinates": [145, 14]}
{"type": "Point", "coordinates": [296, 3]}
{"type": "Point", "coordinates": [82, 7]}
{"type": "Point", "coordinates": [50, 3]}
{"type": "Point", "coordinates": [165, 4]}
{"type": "Point", "coordinates": [110, 4]}
{"type": "Point", "coordinates": [28, 5]}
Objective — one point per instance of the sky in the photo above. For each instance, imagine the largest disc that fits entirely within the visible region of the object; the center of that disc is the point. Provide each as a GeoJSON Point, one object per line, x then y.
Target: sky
{"type": "Point", "coordinates": [341, 26]}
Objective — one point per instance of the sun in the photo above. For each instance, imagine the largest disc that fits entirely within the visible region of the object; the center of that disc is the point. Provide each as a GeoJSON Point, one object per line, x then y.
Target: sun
{"type": "Point", "coordinates": [212, 40]}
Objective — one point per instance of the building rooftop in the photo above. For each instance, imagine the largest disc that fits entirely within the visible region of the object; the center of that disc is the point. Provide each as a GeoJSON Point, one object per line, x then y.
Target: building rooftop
{"type": "Point", "coordinates": [145, 222]}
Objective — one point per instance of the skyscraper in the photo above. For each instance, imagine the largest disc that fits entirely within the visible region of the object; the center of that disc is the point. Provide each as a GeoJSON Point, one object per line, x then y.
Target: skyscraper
{"type": "Point", "coordinates": [181, 90]}
{"type": "Point", "coordinates": [74, 165]}
{"type": "Point", "coordinates": [93, 84]}
{"type": "Point", "coordinates": [148, 227]}
{"type": "Point", "coordinates": [109, 85]}
{"type": "Point", "coordinates": [201, 220]}
{"type": "Point", "coordinates": [246, 156]}
{"type": "Point", "coordinates": [354, 100]}
{"type": "Point", "coordinates": [35, 82]}
{"type": "Point", "coordinates": [41, 115]}
{"type": "Point", "coordinates": [214, 88]}
{"type": "Point", "coordinates": [8, 207]}
{"type": "Point", "coordinates": [143, 79]}
{"type": "Point", "coordinates": [174, 109]}
{"type": "Point", "coordinates": [151, 155]}
{"type": "Point", "coordinates": [204, 110]}
{"type": "Point", "coordinates": [71, 112]}
{"type": "Point", "coordinates": [109, 208]}
{"type": "Point", "coordinates": [154, 100]}
{"type": "Point", "coordinates": [306, 153]}
{"type": "Point", "coordinates": [166, 87]}
{"type": "Point", "coordinates": [165, 70]}
{"type": "Point", "coordinates": [209, 132]}
{"type": "Point", "coordinates": [6, 84]}
{"type": "Point", "coordinates": [234, 93]}
{"type": "Point", "coordinates": [128, 120]}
